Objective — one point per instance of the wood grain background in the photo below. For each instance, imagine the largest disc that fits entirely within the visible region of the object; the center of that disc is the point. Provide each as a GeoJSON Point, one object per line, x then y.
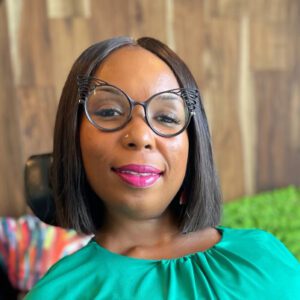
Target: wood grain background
{"type": "Point", "coordinates": [244, 54]}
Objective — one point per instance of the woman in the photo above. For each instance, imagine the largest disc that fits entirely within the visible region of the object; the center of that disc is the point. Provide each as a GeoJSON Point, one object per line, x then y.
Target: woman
{"type": "Point", "coordinates": [133, 165]}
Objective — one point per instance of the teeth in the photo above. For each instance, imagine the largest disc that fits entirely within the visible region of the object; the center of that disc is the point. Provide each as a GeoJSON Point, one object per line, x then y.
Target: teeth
{"type": "Point", "coordinates": [137, 174]}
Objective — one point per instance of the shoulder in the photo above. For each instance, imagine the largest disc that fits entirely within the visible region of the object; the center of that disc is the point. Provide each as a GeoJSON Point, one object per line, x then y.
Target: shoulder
{"type": "Point", "coordinates": [261, 252]}
{"type": "Point", "coordinates": [255, 241]}
{"type": "Point", "coordinates": [258, 239]}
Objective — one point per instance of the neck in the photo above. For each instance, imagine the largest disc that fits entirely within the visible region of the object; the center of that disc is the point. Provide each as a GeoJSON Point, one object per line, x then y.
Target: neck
{"type": "Point", "coordinates": [121, 233]}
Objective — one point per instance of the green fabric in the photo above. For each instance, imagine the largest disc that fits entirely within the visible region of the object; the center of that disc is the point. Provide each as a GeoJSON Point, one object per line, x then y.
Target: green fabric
{"type": "Point", "coordinates": [245, 264]}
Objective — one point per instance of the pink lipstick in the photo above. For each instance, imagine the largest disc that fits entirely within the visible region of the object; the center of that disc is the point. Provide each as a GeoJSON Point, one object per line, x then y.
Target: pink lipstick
{"type": "Point", "coordinates": [138, 176]}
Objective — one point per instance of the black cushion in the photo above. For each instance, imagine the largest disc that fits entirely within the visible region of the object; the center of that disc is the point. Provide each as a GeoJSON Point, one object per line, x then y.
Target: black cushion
{"type": "Point", "coordinates": [38, 190]}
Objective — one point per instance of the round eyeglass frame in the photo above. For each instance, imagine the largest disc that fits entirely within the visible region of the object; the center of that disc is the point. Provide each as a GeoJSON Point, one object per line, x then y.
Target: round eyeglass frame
{"type": "Point", "coordinates": [87, 84]}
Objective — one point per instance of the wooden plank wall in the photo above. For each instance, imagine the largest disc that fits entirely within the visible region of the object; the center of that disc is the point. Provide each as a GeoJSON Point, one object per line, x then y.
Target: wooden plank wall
{"type": "Point", "coordinates": [245, 56]}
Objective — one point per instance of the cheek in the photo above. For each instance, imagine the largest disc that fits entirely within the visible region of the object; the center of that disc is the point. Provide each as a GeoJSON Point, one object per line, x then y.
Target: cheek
{"type": "Point", "coordinates": [179, 149]}
{"type": "Point", "coordinates": [92, 145]}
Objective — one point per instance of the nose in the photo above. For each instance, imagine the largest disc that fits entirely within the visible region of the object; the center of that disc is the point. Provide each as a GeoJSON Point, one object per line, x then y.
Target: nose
{"type": "Point", "coordinates": [137, 135]}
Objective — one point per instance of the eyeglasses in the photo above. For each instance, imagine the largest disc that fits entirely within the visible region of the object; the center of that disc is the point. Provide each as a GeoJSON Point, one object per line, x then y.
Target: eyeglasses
{"type": "Point", "coordinates": [108, 108]}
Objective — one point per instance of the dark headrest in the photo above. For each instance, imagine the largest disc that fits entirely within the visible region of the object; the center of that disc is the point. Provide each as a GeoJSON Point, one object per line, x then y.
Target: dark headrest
{"type": "Point", "coordinates": [38, 190]}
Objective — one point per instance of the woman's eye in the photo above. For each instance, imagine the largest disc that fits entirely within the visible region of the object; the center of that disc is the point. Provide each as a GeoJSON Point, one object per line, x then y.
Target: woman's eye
{"type": "Point", "coordinates": [108, 113]}
{"type": "Point", "coordinates": [168, 119]}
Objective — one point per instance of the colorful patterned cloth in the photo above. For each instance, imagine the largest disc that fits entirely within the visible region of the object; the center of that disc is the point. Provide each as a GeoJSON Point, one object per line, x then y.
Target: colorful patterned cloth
{"type": "Point", "coordinates": [29, 247]}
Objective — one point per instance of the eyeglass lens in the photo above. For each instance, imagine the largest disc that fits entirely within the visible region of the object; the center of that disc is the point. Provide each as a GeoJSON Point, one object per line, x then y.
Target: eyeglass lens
{"type": "Point", "coordinates": [108, 108]}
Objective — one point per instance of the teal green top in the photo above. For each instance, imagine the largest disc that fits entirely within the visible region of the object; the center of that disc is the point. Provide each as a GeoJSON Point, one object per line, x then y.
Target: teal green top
{"type": "Point", "coordinates": [245, 264]}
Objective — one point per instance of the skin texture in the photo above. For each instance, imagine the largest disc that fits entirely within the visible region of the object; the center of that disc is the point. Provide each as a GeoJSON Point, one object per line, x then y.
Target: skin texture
{"type": "Point", "coordinates": [137, 222]}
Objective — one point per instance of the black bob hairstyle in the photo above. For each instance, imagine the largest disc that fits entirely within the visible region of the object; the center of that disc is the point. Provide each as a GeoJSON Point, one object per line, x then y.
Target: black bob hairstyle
{"type": "Point", "coordinates": [77, 206]}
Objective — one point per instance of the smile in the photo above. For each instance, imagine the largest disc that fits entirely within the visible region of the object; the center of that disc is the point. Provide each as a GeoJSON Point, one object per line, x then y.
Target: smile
{"type": "Point", "coordinates": [138, 176]}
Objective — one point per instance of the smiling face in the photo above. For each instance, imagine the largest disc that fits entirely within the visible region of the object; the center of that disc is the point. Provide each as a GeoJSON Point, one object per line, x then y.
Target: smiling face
{"type": "Point", "coordinates": [133, 170]}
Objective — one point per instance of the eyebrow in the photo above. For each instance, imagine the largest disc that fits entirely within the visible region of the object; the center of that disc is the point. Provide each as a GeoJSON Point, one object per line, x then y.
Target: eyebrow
{"type": "Point", "coordinates": [111, 89]}
{"type": "Point", "coordinates": [164, 95]}
{"type": "Point", "coordinates": [167, 96]}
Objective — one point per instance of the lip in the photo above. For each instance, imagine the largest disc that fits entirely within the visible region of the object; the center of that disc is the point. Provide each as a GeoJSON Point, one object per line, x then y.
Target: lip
{"type": "Point", "coordinates": [138, 176]}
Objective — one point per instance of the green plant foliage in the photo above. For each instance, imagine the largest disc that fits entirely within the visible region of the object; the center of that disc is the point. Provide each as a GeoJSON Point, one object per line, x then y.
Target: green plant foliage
{"type": "Point", "coordinates": [276, 211]}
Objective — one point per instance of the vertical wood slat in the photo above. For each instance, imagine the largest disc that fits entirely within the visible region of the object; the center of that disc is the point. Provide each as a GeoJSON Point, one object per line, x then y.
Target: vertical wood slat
{"type": "Point", "coordinates": [11, 171]}
{"type": "Point", "coordinates": [107, 22]}
{"type": "Point", "coordinates": [68, 38]}
{"type": "Point", "coordinates": [247, 107]}
{"type": "Point", "coordinates": [276, 68]}
{"type": "Point", "coordinates": [225, 9]}
{"type": "Point", "coordinates": [273, 11]}
{"type": "Point", "coordinates": [220, 90]}
{"type": "Point", "coordinates": [274, 39]}
{"type": "Point", "coordinates": [189, 31]}
{"type": "Point", "coordinates": [274, 152]}
{"type": "Point", "coordinates": [147, 18]}
{"type": "Point", "coordinates": [14, 11]}
{"type": "Point", "coordinates": [68, 8]}
{"type": "Point", "coordinates": [37, 107]}
{"type": "Point", "coordinates": [294, 118]}
{"type": "Point", "coordinates": [138, 18]}
{"type": "Point", "coordinates": [34, 45]}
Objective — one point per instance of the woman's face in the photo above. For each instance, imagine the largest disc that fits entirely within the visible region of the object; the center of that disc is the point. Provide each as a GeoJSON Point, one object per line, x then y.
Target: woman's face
{"type": "Point", "coordinates": [134, 171]}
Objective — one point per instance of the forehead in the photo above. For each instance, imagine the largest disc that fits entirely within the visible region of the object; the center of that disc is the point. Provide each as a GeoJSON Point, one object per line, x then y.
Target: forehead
{"type": "Point", "coordinates": [137, 71]}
